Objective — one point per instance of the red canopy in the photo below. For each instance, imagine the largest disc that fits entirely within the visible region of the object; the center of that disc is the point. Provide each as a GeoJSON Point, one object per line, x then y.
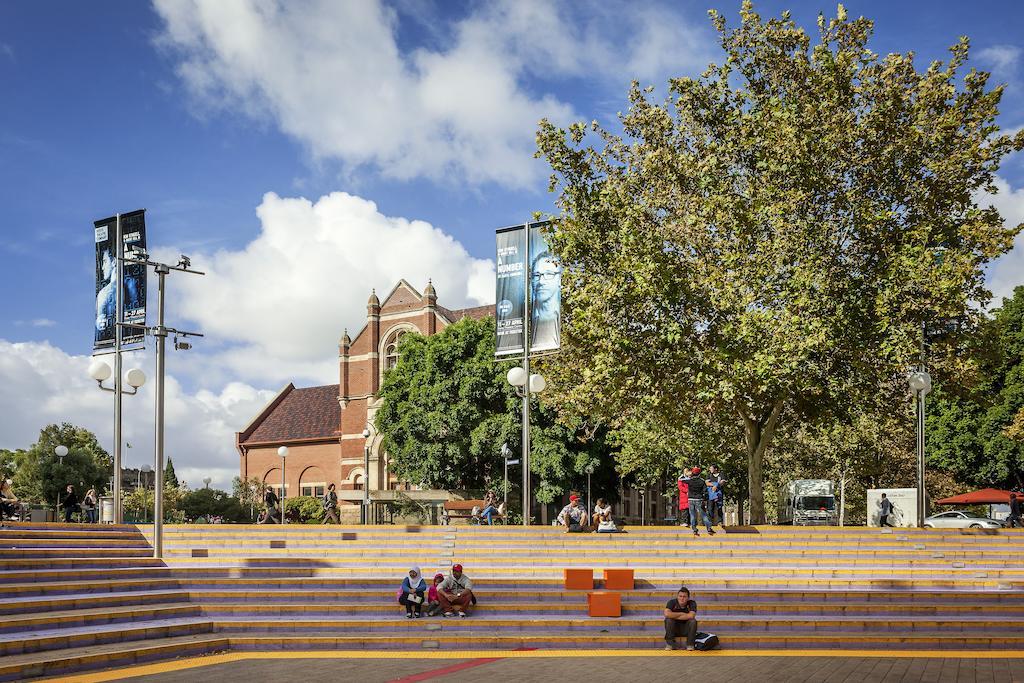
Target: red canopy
{"type": "Point", "coordinates": [982, 497]}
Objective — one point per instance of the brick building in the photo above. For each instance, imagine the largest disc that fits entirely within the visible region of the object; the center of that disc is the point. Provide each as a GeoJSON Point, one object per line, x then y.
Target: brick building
{"type": "Point", "coordinates": [323, 426]}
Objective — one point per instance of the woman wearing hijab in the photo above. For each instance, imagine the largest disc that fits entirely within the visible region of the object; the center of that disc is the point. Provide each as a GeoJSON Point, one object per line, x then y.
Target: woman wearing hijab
{"type": "Point", "coordinates": [413, 588]}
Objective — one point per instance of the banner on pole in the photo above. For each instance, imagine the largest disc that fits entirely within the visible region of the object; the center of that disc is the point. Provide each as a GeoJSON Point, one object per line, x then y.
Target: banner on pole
{"type": "Point", "coordinates": [545, 294]}
{"type": "Point", "coordinates": [133, 280]}
{"type": "Point", "coordinates": [510, 291]}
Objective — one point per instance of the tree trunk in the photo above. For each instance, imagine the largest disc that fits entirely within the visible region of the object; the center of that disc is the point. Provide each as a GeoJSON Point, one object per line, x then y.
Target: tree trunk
{"type": "Point", "coordinates": [759, 432]}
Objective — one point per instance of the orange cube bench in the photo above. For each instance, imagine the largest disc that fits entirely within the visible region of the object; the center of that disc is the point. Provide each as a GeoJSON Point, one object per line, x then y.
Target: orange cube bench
{"type": "Point", "coordinates": [618, 579]}
{"type": "Point", "coordinates": [578, 579]}
{"type": "Point", "coordinates": [604, 604]}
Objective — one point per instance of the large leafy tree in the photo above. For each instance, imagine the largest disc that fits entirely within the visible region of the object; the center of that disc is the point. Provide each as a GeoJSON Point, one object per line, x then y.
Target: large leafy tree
{"type": "Point", "coordinates": [763, 246]}
{"type": "Point", "coordinates": [40, 476]}
{"type": "Point", "coordinates": [446, 409]}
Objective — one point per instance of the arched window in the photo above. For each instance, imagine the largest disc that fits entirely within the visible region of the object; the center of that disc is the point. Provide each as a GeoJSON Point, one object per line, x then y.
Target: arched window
{"type": "Point", "coordinates": [357, 482]}
{"type": "Point", "coordinates": [391, 356]}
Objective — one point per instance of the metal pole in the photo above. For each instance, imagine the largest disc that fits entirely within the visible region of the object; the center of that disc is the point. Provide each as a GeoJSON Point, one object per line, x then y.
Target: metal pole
{"type": "Point", "coordinates": [283, 493]}
{"type": "Point", "coordinates": [920, 440]}
{"type": "Point", "coordinates": [118, 380]}
{"type": "Point", "coordinates": [526, 387]}
{"type": "Point", "coordinates": [366, 483]}
{"type": "Point", "coordinates": [590, 503]}
{"type": "Point", "coordinates": [160, 334]}
{"type": "Point", "coordinates": [505, 489]}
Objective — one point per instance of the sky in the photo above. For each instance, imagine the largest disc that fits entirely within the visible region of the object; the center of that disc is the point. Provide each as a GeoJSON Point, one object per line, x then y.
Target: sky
{"type": "Point", "coordinates": [304, 152]}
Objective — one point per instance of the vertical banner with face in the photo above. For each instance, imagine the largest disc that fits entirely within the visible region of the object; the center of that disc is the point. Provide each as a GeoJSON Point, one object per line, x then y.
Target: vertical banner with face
{"type": "Point", "coordinates": [133, 282]}
{"type": "Point", "coordinates": [545, 293]}
{"type": "Point", "coordinates": [510, 291]}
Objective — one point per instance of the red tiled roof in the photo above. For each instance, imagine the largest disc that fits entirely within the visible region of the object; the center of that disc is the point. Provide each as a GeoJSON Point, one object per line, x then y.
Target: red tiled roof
{"type": "Point", "coordinates": [307, 413]}
{"type": "Point", "coordinates": [478, 313]}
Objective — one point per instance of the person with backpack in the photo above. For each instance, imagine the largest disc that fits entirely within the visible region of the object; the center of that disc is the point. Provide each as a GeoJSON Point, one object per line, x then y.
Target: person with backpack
{"type": "Point", "coordinates": [70, 503]}
{"type": "Point", "coordinates": [698, 493]}
{"type": "Point", "coordinates": [270, 515]}
{"type": "Point", "coordinates": [330, 503]}
{"type": "Point", "coordinates": [886, 510]}
{"type": "Point", "coordinates": [716, 496]}
{"type": "Point", "coordinates": [680, 619]}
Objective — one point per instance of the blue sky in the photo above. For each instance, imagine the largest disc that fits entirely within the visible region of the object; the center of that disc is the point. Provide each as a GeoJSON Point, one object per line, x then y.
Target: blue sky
{"type": "Point", "coordinates": [421, 113]}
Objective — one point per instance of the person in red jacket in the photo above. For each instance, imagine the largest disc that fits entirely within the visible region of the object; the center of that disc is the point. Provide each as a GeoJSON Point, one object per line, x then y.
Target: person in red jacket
{"type": "Point", "coordinates": [684, 498]}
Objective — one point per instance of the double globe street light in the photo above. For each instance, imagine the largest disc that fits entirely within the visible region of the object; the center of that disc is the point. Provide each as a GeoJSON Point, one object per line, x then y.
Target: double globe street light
{"type": "Point", "coordinates": [526, 384]}
{"type": "Point", "coordinates": [134, 378]}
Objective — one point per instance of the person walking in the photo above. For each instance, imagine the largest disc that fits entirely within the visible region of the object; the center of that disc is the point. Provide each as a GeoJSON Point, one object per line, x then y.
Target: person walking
{"type": "Point", "coordinates": [680, 619]}
{"type": "Point", "coordinates": [1014, 518]}
{"type": "Point", "coordinates": [698, 492]}
{"type": "Point", "coordinates": [69, 503]}
{"type": "Point", "coordinates": [330, 502]}
{"type": "Point", "coordinates": [89, 504]}
{"type": "Point", "coordinates": [716, 496]}
{"type": "Point", "coordinates": [684, 498]}
{"type": "Point", "coordinates": [886, 510]}
{"type": "Point", "coordinates": [456, 593]}
{"type": "Point", "coordinates": [413, 588]}
{"type": "Point", "coordinates": [271, 500]}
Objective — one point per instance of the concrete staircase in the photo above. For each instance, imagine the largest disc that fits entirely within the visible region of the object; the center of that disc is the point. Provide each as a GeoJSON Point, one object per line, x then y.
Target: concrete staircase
{"type": "Point", "coordinates": [76, 597]}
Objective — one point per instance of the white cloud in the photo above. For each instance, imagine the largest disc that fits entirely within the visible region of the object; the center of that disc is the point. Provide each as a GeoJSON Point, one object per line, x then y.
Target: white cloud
{"type": "Point", "coordinates": [1008, 271]}
{"type": "Point", "coordinates": [278, 306]}
{"type": "Point", "coordinates": [1001, 59]}
{"type": "Point", "coordinates": [333, 76]}
{"type": "Point", "coordinates": [44, 385]}
{"type": "Point", "coordinates": [35, 322]}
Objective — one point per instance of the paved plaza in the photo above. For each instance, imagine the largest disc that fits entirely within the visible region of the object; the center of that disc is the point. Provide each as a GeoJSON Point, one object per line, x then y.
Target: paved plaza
{"type": "Point", "coordinates": [577, 665]}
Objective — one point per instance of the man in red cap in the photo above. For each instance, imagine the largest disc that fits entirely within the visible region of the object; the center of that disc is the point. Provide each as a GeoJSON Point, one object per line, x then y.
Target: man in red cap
{"type": "Point", "coordinates": [456, 593]}
{"type": "Point", "coordinates": [574, 516]}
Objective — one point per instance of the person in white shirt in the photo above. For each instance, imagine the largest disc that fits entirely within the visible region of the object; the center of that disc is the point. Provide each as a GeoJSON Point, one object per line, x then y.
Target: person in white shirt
{"type": "Point", "coordinates": [603, 521]}
{"type": "Point", "coordinates": [574, 516]}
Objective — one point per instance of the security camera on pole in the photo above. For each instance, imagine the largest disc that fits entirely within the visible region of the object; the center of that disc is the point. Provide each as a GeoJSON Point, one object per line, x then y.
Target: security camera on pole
{"type": "Point", "coordinates": [160, 332]}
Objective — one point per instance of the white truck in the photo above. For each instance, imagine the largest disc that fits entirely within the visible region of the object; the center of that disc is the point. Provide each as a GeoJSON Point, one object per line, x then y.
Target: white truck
{"type": "Point", "coordinates": [804, 502]}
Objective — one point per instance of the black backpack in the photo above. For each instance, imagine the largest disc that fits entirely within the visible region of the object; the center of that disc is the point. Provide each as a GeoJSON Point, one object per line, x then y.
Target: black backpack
{"type": "Point", "coordinates": [705, 641]}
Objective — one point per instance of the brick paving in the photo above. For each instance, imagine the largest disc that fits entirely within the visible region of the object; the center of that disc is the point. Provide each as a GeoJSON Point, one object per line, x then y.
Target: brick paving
{"type": "Point", "coordinates": [753, 668]}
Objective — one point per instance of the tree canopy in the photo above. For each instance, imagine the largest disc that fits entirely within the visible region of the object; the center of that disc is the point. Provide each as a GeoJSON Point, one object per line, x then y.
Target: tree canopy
{"type": "Point", "coordinates": [760, 249]}
{"type": "Point", "coordinates": [971, 429]}
{"type": "Point", "coordinates": [446, 409]}
{"type": "Point", "coordinates": [40, 476]}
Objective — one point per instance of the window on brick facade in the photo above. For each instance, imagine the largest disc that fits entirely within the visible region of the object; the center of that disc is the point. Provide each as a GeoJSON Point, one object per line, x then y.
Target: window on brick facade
{"type": "Point", "coordinates": [391, 354]}
{"type": "Point", "coordinates": [317, 490]}
{"type": "Point", "coordinates": [357, 482]}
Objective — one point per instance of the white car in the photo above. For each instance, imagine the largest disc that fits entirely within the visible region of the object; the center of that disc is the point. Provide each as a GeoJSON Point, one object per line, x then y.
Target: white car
{"type": "Point", "coordinates": [960, 519]}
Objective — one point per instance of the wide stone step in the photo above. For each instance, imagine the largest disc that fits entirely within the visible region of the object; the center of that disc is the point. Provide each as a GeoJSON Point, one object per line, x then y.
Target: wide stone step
{"type": "Point", "coordinates": [38, 605]}
{"type": "Point", "coordinates": [91, 617]}
{"type": "Point", "coordinates": [84, 636]}
{"type": "Point", "coordinates": [55, 588]}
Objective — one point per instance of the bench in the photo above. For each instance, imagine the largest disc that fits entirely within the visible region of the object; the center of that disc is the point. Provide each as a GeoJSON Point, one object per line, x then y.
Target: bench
{"type": "Point", "coordinates": [459, 509]}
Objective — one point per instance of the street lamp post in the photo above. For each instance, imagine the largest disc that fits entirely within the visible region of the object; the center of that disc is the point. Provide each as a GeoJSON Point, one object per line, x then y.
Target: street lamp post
{"type": "Point", "coordinates": [283, 452]}
{"type": "Point", "coordinates": [135, 378]}
{"type": "Point", "coordinates": [61, 452]}
{"type": "Point", "coordinates": [921, 384]}
{"type": "Point", "coordinates": [364, 517]}
{"type": "Point", "coordinates": [526, 384]}
{"type": "Point", "coordinates": [590, 503]}
{"type": "Point", "coordinates": [506, 455]}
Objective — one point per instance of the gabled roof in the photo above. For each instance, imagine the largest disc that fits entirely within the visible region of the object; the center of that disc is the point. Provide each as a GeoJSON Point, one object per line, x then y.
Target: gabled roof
{"type": "Point", "coordinates": [295, 415]}
{"type": "Point", "coordinates": [402, 282]}
{"type": "Point", "coordinates": [476, 312]}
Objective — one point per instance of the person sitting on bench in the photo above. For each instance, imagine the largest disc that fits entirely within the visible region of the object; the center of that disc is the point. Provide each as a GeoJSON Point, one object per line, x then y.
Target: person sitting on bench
{"type": "Point", "coordinates": [680, 619]}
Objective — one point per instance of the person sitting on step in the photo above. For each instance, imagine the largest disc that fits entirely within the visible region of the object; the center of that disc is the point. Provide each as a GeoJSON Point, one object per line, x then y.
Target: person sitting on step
{"type": "Point", "coordinates": [680, 619]}
{"type": "Point", "coordinates": [573, 516]}
{"type": "Point", "coordinates": [603, 522]}
{"type": "Point", "coordinates": [456, 593]}
{"type": "Point", "coordinates": [413, 588]}
{"type": "Point", "coordinates": [433, 602]}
